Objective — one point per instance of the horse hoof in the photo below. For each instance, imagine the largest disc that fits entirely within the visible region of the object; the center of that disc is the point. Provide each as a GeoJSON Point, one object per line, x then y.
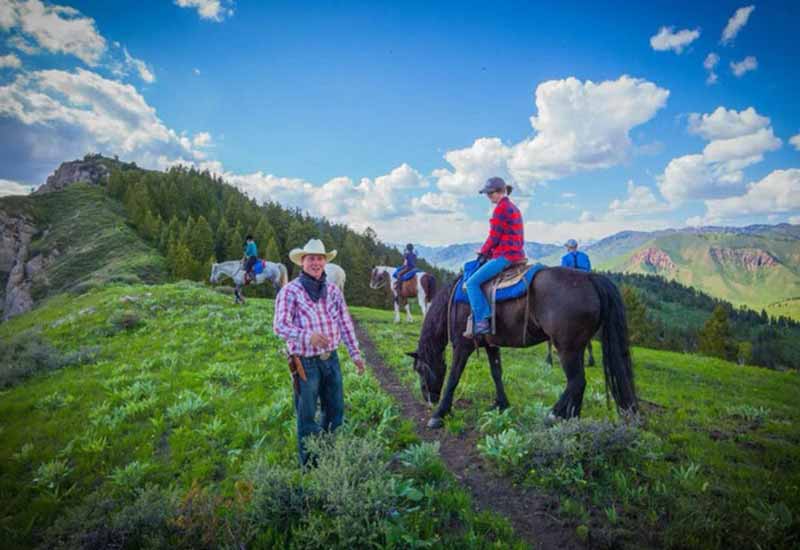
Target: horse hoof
{"type": "Point", "coordinates": [551, 420]}
{"type": "Point", "coordinates": [435, 423]}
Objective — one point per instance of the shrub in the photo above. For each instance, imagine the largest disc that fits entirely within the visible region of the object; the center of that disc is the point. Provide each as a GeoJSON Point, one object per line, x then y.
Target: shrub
{"type": "Point", "coordinates": [123, 320]}
{"type": "Point", "coordinates": [423, 461]}
{"type": "Point", "coordinates": [27, 353]}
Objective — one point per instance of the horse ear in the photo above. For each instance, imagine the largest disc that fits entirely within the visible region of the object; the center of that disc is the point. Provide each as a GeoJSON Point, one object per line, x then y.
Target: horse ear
{"type": "Point", "coordinates": [412, 354]}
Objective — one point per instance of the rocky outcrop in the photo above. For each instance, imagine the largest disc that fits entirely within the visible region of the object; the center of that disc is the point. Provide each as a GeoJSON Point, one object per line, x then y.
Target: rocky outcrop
{"type": "Point", "coordinates": [654, 258]}
{"type": "Point", "coordinates": [92, 169]}
{"type": "Point", "coordinates": [749, 259]}
{"type": "Point", "coordinates": [17, 232]}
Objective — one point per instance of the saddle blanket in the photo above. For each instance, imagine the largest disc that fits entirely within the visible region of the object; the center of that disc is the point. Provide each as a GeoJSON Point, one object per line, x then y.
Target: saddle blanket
{"type": "Point", "coordinates": [406, 276]}
{"type": "Point", "coordinates": [258, 267]}
{"type": "Point", "coordinates": [503, 294]}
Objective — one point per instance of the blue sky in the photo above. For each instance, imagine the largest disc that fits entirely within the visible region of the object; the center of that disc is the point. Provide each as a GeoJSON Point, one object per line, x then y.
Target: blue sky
{"type": "Point", "coordinates": [390, 115]}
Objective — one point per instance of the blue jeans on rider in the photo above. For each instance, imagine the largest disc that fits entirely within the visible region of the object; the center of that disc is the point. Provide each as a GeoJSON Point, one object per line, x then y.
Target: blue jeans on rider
{"type": "Point", "coordinates": [323, 384]}
{"type": "Point", "coordinates": [480, 306]}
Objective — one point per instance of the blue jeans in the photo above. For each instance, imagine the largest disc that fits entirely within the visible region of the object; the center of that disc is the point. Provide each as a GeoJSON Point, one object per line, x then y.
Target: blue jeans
{"type": "Point", "coordinates": [323, 384]}
{"type": "Point", "coordinates": [477, 301]}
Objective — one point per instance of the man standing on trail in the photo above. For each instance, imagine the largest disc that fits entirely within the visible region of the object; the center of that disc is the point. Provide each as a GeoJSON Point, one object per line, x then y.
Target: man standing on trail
{"type": "Point", "coordinates": [250, 257]}
{"type": "Point", "coordinates": [504, 246]}
{"type": "Point", "coordinates": [312, 317]}
{"type": "Point", "coordinates": [575, 259]}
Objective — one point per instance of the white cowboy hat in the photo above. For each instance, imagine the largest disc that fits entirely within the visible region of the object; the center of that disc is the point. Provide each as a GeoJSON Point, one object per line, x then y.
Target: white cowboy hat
{"type": "Point", "coordinates": [313, 246]}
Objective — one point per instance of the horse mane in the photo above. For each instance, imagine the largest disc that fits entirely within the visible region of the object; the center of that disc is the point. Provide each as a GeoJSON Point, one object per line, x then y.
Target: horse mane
{"type": "Point", "coordinates": [433, 336]}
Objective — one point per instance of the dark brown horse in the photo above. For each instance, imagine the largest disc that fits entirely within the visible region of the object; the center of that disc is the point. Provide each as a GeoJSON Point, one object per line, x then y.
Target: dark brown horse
{"type": "Point", "coordinates": [563, 305]}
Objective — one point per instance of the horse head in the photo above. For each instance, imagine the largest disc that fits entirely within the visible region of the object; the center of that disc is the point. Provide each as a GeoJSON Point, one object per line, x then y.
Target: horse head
{"type": "Point", "coordinates": [377, 278]}
{"type": "Point", "coordinates": [431, 376]}
{"type": "Point", "coordinates": [214, 273]}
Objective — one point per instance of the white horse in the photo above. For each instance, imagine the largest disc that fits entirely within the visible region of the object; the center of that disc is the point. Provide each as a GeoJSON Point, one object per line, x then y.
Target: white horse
{"type": "Point", "coordinates": [275, 273]}
{"type": "Point", "coordinates": [336, 275]}
{"type": "Point", "coordinates": [422, 286]}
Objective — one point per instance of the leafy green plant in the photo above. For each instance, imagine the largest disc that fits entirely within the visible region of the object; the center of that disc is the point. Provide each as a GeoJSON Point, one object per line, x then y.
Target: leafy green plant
{"type": "Point", "coordinates": [506, 449]}
{"type": "Point", "coordinates": [127, 479]}
{"type": "Point", "coordinates": [749, 413]}
{"type": "Point", "coordinates": [423, 461]}
{"type": "Point", "coordinates": [495, 421]}
{"type": "Point", "coordinates": [51, 477]}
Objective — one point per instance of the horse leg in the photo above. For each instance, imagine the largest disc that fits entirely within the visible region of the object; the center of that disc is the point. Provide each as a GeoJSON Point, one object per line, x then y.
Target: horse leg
{"type": "Point", "coordinates": [460, 356]}
{"type": "Point", "coordinates": [409, 318]}
{"type": "Point", "coordinates": [396, 309]}
{"type": "Point", "coordinates": [423, 306]}
{"type": "Point", "coordinates": [500, 401]}
{"type": "Point", "coordinates": [570, 402]}
{"type": "Point", "coordinates": [549, 358]}
{"type": "Point", "coordinates": [591, 355]}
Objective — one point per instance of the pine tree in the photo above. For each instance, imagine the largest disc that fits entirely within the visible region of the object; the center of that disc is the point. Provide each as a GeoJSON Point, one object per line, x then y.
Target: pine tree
{"type": "Point", "coordinates": [271, 251]}
{"type": "Point", "coordinates": [715, 337]}
{"type": "Point", "coordinates": [201, 240]}
{"type": "Point", "coordinates": [640, 328]}
{"type": "Point", "coordinates": [234, 244]}
{"type": "Point", "coordinates": [220, 239]}
{"type": "Point", "coordinates": [186, 266]}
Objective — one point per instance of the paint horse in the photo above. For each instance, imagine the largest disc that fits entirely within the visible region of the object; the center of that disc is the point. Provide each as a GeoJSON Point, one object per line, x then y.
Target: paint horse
{"type": "Point", "coordinates": [234, 270]}
{"type": "Point", "coordinates": [421, 286]}
{"type": "Point", "coordinates": [336, 275]}
{"type": "Point", "coordinates": [563, 305]}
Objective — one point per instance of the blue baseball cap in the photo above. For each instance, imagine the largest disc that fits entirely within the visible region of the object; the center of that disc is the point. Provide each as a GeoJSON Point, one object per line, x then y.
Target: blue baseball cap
{"type": "Point", "coordinates": [495, 184]}
{"type": "Point", "coordinates": [572, 243]}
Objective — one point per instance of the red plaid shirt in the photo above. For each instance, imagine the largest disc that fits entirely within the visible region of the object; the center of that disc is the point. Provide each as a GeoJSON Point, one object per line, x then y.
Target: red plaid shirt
{"type": "Point", "coordinates": [297, 317]}
{"type": "Point", "coordinates": [506, 236]}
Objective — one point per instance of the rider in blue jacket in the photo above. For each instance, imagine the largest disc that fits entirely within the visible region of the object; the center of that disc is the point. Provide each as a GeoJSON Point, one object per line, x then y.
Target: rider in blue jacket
{"type": "Point", "coordinates": [574, 258]}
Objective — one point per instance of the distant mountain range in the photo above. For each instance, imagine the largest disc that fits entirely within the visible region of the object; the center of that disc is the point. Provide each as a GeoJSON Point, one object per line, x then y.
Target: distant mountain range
{"type": "Point", "coordinates": [757, 265]}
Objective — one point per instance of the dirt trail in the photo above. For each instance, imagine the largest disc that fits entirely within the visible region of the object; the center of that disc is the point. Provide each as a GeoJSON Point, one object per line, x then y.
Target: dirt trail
{"type": "Point", "coordinates": [530, 513]}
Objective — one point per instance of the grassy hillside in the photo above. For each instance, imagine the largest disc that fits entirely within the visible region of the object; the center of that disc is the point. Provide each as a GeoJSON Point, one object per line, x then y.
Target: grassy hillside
{"type": "Point", "coordinates": [162, 416]}
{"type": "Point", "coordinates": [84, 236]}
{"type": "Point", "coordinates": [787, 308]}
{"type": "Point", "coordinates": [715, 464]}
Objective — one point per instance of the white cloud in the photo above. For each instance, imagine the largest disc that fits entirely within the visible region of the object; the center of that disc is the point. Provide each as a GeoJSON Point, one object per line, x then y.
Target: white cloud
{"type": "Point", "coordinates": [473, 165]}
{"type": "Point", "coordinates": [735, 24]}
{"type": "Point", "coordinates": [55, 114]}
{"type": "Point", "coordinates": [640, 201]}
{"type": "Point", "coordinates": [145, 73]}
{"type": "Point", "coordinates": [436, 203]}
{"type": "Point", "coordinates": [10, 61]}
{"type": "Point", "coordinates": [737, 139]}
{"type": "Point", "coordinates": [213, 10]}
{"type": "Point", "coordinates": [777, 193]}
{"type": "Point", "coordinates": [196, 71]}
{"type": "Point", "coordinates": [747, 64]}
{"type": "Point", "coordinates": [202, 139]}
{"type": "Point", "coordinates": [709, 64]}
{"type": "Point", "coordinates": [725, 124]}
{"type": "Point", "coordinates": [666, 39]}
{"type": "Point", "coordinates": [711, 61]}
{"type": "Point", "coordinates": [8, 187]}
{"type": "Point", "coordinates": [568, 195]}
{"type": "Point", "coordinates": [57, 29]}
{"type": "Point", "coordinates": [19, 43]}
{"type": "Point", "coordinates": [795, 140]}
{"type": "Point", "coordinates": [583, 126]}
{"type": "Point", "coordinates": [794, 220]}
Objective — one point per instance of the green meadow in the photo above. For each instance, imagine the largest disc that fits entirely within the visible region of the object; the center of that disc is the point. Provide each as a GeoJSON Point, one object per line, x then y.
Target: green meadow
{"type": "Point", "coordinates": [162, 417]}
{"type": "Point", "coordinates": [714, 462]}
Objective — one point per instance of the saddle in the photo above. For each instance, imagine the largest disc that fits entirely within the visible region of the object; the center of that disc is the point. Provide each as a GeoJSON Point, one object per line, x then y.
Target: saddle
{"type": "Point", "coordinates": [513, 282]}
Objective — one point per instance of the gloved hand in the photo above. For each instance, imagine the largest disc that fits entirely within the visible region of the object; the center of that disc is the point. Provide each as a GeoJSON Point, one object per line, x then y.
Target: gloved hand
{"type": "Point", "coordinates": [481, 259]}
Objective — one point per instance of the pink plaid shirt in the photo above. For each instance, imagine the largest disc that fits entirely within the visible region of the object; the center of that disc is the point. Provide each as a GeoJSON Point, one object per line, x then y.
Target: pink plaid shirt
{"type": "Point", "coordinates": [297, 317]}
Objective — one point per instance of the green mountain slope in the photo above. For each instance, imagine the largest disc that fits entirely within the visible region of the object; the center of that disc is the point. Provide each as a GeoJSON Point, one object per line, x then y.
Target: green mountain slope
{"type": "Point", "coordinates": [753, 266]}
{"type": "Point", "coordinates": [81, 239]}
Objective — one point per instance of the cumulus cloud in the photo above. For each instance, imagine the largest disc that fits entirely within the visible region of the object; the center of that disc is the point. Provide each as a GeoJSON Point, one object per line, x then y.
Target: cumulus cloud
{"type": "Point", "coordinates": [52, 114]}
{"type": "Point", "coordinates": [579, 126]}
{"type": "Point", "coordinates": [640, 201]}
{"type": "Point", "coordinates": [777, 193]}
{"type": "Point", "coordinates": [57, 29]}
{"type": "Point", "coordinates": [10, 61]}
{"type": "Point", "coordinates": [746, 65]}
{"type": "Point", "coordinates": [737, 21]}
{"type": "Point", "coordinates": [726, 124]}
{"type": "Point", "coordinates": [795, 140]}
{"type": "Point", "coordinates": [709, 64]}
{"type": "Point", "coordinates": [8, 187]}
{"type": "Point", "coordinates": [212, 10]}
{"type": "Point", "coordinates": [202, 139]}
{"type": "Point", "coordinates": [436, 203]}
{"type": "Point", "coordinates": [141, 68]}
{"type": "Point", "coordinates": [666, 39]}
{"type": "Point", "coordinates": [737, 139]}
{"type": "Point", "coordinates": [196, 71]}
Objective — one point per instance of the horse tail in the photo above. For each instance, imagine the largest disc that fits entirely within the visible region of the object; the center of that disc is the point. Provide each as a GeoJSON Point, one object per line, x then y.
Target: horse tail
{"type": "Point", "coordinates": [429, 285]}
{"type": "Point", "coordinates": [617, 364]}
{"type": "Point", "coordinates": [284, 275]}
